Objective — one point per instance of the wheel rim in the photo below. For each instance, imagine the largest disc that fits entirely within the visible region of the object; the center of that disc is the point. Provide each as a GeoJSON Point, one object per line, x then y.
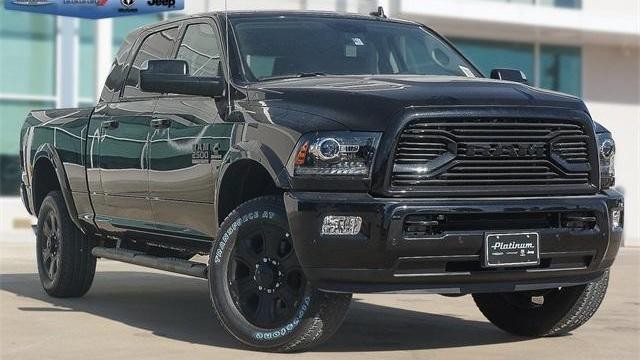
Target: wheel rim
{"type": "Point", "coordinates": [265, 279]}
{"type": "Point", "coordinates": [51, 246]}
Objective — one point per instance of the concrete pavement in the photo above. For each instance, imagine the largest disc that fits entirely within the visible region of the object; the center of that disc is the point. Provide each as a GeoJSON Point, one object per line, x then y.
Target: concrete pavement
{"type": "Point", "coordinates": [133, 312]}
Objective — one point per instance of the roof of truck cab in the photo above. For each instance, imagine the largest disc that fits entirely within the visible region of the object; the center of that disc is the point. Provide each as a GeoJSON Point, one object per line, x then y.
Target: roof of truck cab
{"type": "Point", "coordinates": [271, 13]}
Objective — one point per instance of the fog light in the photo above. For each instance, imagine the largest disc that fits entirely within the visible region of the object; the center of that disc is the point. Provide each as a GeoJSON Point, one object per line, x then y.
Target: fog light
{"type": "Point", "coordinates": [616, 218]}
{"type": "Point", "coordinates": [341, 225]}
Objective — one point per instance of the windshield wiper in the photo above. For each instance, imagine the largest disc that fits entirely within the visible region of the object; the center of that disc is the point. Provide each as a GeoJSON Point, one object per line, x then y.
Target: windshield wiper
{"type": "Point", "coordinates": [292, 76]}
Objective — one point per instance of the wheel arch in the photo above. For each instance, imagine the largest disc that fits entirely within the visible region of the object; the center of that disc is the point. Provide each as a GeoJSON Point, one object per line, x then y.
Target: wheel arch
{"type": "Point", "coordinates": [48, 174]}
{"type": "Point", "coordinates": [241, 180]}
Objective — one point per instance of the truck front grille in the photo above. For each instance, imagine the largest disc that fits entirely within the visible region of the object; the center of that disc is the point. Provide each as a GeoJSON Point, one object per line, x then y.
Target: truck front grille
{"type": "Point", "coordinates": [491, 154]}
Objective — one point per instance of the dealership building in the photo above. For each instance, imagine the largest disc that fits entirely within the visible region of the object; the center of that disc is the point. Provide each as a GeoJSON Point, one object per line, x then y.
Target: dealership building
{"type": "Point", "coordinates": [589, 48]}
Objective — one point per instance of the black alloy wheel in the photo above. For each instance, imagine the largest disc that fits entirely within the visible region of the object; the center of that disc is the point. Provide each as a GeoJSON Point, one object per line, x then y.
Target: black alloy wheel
{"type": "Point", "coordinates": [258, 288]}
{"type": "Point", "coordinates": [266, 281]}
{"type": "Point", "coordinates": [65, 264]}
{"type": "Point", "coordinates": [50, 252]}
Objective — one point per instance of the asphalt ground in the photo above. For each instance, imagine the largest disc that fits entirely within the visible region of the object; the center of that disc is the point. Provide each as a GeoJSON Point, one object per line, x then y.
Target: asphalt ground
{"type": "Point", "coordinates": [137, 313]}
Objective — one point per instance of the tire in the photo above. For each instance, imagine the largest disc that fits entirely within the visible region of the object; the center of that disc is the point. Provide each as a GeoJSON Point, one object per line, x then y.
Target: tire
{"type": "Point", "coordinates": [65, 264]}
{"type": "Point", "coordinates": [258, 289]}
{"type": "Point", "coordinates": [544, 312]}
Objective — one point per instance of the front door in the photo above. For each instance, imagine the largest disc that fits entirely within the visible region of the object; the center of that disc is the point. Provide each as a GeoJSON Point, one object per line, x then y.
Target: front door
{"type": "Point", "coordinates": [188, 140]}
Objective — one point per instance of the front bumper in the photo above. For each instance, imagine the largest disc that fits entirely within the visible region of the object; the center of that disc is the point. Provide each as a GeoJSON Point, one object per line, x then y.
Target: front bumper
{"type": "Point", "coordinates": [384, 257]}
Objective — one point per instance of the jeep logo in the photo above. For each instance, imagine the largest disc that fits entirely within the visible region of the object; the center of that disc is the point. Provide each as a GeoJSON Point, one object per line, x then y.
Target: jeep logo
{"type": "Point", "coordinates": [518, 150]}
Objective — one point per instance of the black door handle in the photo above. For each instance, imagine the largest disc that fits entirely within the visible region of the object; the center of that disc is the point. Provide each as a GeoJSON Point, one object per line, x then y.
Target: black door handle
{"type": "Point", "coordinates": [110, 124]}
{"type": "Point", "coordinates": [160, 123]}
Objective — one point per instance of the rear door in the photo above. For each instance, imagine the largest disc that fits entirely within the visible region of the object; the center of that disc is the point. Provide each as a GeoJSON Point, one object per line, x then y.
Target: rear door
{"type": "Point", "coordinates": [188, 140]}
{"type": "Point", "coordinates": [124, 130]}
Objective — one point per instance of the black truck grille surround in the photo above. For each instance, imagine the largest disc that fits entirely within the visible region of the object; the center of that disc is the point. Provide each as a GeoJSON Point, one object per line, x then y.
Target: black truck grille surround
{"type": "Point", "coordinates": [491, 153]}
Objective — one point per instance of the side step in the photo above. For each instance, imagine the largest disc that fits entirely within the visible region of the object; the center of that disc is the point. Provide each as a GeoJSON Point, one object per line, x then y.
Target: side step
{"type": "Point", "coordinates": [175, 265]}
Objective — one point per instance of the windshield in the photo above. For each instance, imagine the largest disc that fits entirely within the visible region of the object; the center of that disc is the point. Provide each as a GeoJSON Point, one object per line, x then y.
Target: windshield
{"type": "Point", "coordinates": [297, 46]}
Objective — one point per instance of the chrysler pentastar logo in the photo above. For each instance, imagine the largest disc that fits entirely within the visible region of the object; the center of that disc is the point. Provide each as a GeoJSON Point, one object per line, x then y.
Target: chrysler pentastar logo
{"type": "Point", "coordinates": [505, 150]}
{"type": "Point", "coordinates": [31, 2]}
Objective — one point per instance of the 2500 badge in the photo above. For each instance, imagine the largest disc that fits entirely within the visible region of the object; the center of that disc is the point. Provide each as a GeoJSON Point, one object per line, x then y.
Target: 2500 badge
{"type": "Point", "coordinates": [204, 153]}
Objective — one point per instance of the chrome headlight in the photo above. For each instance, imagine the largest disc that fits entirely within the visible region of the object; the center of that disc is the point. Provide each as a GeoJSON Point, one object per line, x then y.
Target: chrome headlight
{"type": "Point", "coordinates": [606, 155]}
{"type": "Point", "coordinates": [342, 153]}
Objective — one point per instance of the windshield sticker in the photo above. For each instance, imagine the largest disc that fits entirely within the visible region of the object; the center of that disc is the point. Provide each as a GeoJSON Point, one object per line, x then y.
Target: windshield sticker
{"type": "Point", "coordinates": [467, 71]}
{"type": "Point", "coordinates": [358, 41]}
{"type": "Point", "coordinates": [350, 51]}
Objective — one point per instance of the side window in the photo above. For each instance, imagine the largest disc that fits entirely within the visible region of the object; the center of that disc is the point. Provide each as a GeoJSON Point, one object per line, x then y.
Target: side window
{"type": "Point", "coordinates": [201, 50]}
{"type": "Point", "coordinates": [114, 81]}
{"type": "Point", "coordinates": [155, 46]}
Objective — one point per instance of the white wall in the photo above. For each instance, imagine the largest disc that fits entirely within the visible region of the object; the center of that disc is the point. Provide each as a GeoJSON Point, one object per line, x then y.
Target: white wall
{"type": "Point", "coordinates": [611, 88]}
{"type": "Point", "coordinates": [14, 218]}
{"type": "Point", "coordinates": [629, 8]}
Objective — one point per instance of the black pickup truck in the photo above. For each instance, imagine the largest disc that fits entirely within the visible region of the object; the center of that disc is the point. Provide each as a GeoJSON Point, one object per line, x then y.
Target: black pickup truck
{"type": "Point", "coordinates": [316, 155]}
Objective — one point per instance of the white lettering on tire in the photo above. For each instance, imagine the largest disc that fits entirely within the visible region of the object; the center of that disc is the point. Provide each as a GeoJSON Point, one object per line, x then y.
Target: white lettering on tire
{"type": "Point", "coordinates": [286, 329]}
{"type": "Point", "coordinates": [234, 227]}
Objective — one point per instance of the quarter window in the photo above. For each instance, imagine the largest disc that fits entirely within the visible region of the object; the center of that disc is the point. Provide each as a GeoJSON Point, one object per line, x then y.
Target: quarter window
{"type": "Point", "coordinates": [201, 50]}
{"type": "Point", "coordinates": [155, 46]}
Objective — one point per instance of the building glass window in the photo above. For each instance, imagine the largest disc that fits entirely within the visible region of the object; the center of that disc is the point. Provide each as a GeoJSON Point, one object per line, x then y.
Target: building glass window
{"type": "Point", "coordinates": [561, 69]}
{"type": "Point", "coordinates": [560, 66]}
{"type": "Point", "coordinates": [28, 41]}
{"type": "Point", "coordinates": [27, 68]}
{"type": "Point", "coordinates": [87, 63]}
{"type": "Point", "coordinates": [488, 55]}
{"type": "Point", "coordinates": [571, 4]}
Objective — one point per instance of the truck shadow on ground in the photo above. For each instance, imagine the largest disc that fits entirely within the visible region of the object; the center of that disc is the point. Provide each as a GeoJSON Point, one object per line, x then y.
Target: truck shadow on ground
{"type": "Point", "coordinates": [178, 308]}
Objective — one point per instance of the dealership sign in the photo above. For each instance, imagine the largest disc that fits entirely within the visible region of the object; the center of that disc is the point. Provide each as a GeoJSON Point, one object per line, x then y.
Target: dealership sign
{"type": "Point", "coordinates": [94, 9]}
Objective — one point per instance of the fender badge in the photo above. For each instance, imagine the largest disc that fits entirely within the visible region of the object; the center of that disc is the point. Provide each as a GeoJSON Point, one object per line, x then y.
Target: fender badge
{"type": "Point", "coordinates": [204, 153]}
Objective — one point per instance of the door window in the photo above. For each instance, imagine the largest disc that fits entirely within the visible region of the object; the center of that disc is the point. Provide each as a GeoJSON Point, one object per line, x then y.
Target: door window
{"type": "Point", "coordinates": [201, 50]}
{"type": "Point", "coordinates": [155, 46]}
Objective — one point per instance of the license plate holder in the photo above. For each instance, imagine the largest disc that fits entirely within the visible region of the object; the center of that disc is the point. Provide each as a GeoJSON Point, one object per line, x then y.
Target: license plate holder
{"type": "Point", "coordinates": [511, 249]}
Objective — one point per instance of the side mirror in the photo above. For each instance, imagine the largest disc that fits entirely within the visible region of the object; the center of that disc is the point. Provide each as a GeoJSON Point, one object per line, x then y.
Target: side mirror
{"type": "Point", "coordinates": [509, 75]}
{"type": "Point", "coordinates": [172, 76]}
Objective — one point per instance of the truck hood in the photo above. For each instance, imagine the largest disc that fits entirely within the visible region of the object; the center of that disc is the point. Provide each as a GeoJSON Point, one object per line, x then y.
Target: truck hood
{"type": "Point", "coordinates": [369, 102]}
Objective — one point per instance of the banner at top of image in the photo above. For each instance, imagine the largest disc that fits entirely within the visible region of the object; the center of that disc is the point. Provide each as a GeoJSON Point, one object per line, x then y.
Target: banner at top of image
{"type": "Point", "coordinates": [94, 9]}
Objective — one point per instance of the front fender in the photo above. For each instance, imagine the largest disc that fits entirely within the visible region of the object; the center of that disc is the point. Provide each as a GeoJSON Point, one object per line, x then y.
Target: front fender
{"type": "Point", "coordinates": [269, 145]}
{"type": "Point", "coordinates": [266, 145]}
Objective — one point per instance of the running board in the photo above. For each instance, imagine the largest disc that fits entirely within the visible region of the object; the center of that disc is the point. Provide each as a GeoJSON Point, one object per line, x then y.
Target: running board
{"type": "Point", "coordinates": [174, 265]}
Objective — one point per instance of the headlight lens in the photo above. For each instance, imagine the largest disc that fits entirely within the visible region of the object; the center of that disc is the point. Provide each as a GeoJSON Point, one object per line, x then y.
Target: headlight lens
{"type": "Point", "coordinates": [606, 154]}
{"type": "Point", "coordinates": [334, 154]}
